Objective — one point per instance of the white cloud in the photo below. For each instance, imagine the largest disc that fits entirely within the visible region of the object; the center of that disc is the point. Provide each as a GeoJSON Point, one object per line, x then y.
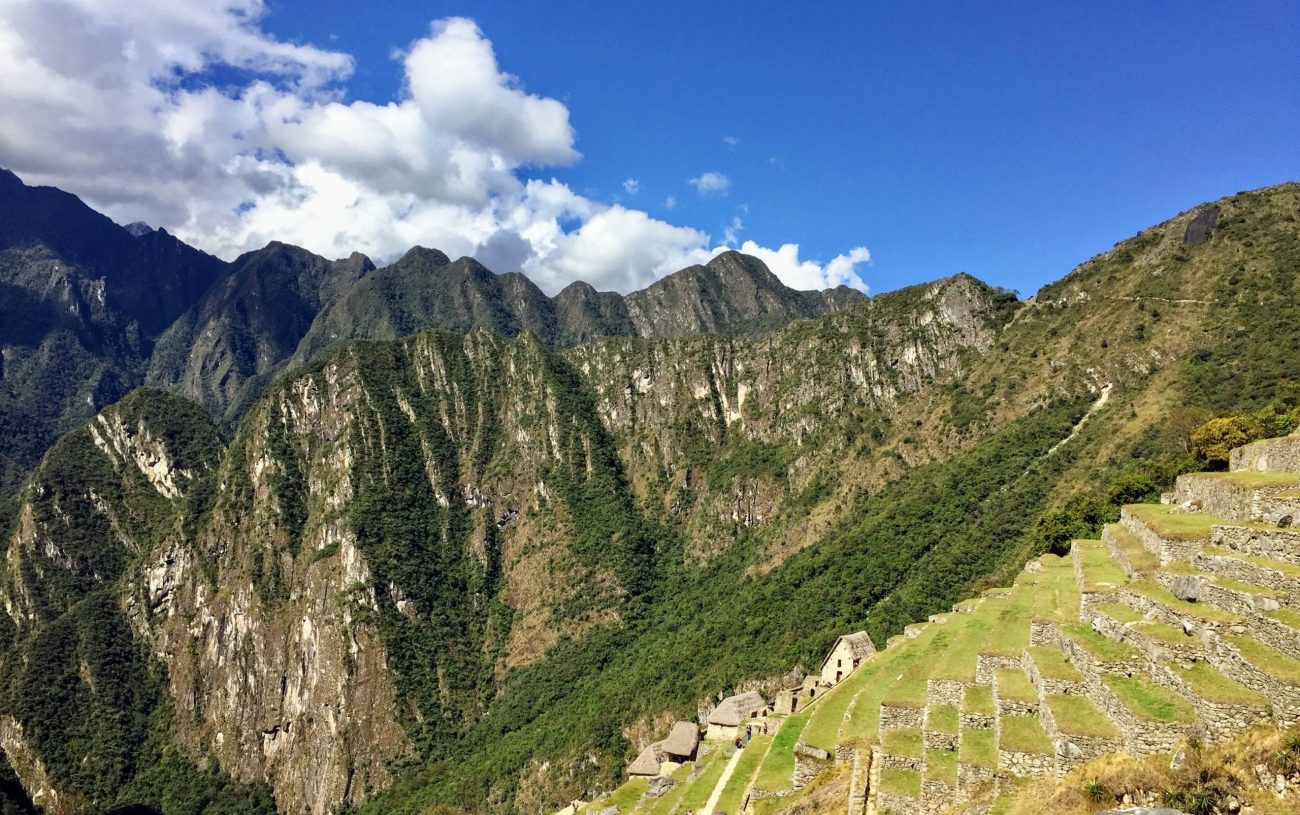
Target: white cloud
{"type": "Point", "coordinates": [631, 186]}
{"type": "Point", "coordinates": [670, 202]}
{"type": "Point", "coordinates": [710, 183]}
{"type": "Point", "coordinates": [731, 232]}
{"type": "Point", "coordinates": [731, 140]}
{"type": "Point", "coordinates": [113, 101]}
{"type": "Point", "coordinates": [809, 274]}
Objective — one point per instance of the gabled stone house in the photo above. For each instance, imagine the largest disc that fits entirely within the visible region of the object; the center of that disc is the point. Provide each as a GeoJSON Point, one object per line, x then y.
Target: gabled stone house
{"type": "Point", "coordinates": [662, 757]}
{"type": "Point", "coordinates": [845, 656]}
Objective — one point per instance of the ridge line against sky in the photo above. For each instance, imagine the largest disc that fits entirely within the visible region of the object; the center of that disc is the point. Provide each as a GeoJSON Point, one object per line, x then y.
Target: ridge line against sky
{"type": "Point", "coordinates": [567, 142]}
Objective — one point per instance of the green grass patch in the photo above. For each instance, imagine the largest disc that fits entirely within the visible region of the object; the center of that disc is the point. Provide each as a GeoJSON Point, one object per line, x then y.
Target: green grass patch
{"type": "Point", "coordinates": [978, 699]}
{"type": "Point", "coordinates": [1242, 586]}
{"type": "Point", "coordinates": [827, 715]}
{"type": "Point", "coordinates": [1140, 558]}
{"type": "Point", "coordinates": [1166, 633]}
{"type": "Point", "coordinates": [942, 719]}
{"type": "Point", "coordinates": [1269, 660]}
{"type": "Point", "coordinates": [862, 720]}
{"type": "Point", "coordinates": [966, 633]}
{"type": "Point", "coordinates": [1153, 590]}
{"type": "Point", "coordinates": [733, 794]}
{"type": "Point", "coordinates": [1119, 612]}
{"type": "Point", "coordinates": [978, 746]}
{"type": "Point", "coordinates": [1058, 594]}
{"type": "Point", "coordinates": [1053, 663]}
{"type": "Point", "coordinates": [1024, 734]}
{"type": "Point", "coordinates": [1012, 683]}
{"type": "Point", "coordinates": [900, 782]}
{"type": "Point", "coordinates": [1252, 479]}
{"type": "Point", "coordinates": [907, 743]}
{"type": "Point", "coordinates": [1286, 616]}
{"type": "Point", "coordinates": [1149, 700]}
{"type": "Point", "coordinates": [664, 804]}
{"type": "Point", "coordinates": [625, 797]}
{"type": "Point", "coordinates": [778, 764]}
{"type": "Point", "coordinates": [941, 765]}
{"type": "Point", "coordinates": [1174, 525]}
{"type": "Point", "coordinates": [1209, 684]}
{"type": "Point", "coordinates": [1011, 633]}
{"type": "Point", "coordinates": [698, 791]}
{"type": "Point", "coordinates": [1100, 571]}
{"type": "Point", "coordinates": [1099, 645]}
{"type": "Point", "coordinates": [1079, 716]}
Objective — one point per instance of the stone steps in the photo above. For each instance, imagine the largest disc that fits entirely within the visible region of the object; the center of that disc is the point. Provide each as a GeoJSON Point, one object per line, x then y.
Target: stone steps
{"type": "Point", "coordinates": [1166, 532]}
{"type": "Point", "coordinates": [1079, 729]}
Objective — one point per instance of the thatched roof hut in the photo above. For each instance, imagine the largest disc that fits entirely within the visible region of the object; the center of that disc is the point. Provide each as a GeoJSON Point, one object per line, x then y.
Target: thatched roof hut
{"type": "Point", "coordinates": [648, 761]}
{"type": "Point", "coordinates": [681, 741]}
{"type": "Point", "coordinates": [734, 710]}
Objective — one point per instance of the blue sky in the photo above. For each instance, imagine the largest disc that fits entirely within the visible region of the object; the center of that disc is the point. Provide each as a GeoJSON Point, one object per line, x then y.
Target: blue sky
{"type": "Point", "coordinates": [1012, 140]}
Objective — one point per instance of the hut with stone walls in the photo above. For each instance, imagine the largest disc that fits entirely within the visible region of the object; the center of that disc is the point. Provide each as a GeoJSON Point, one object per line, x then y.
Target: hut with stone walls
{"type": "Point", "coordinates": [845, 656]}
{"type": "Point", "coordinates": [735, 712]}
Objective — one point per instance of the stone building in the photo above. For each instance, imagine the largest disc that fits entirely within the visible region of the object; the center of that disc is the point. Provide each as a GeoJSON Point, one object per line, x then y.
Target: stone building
{"type": "Point", "coordinates": [734, 712]}
{"type": "Point", "coordinates": [794, 700]}
{"type": "Point", "coordinates": [662, 757]}
{"type": "Point", "coordinates": [845, 656]}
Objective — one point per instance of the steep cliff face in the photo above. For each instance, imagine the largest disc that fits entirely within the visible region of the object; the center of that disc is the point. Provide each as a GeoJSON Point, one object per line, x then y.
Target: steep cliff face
{"type": "Point", "coordinates": [721, 431]}
{"type": "Point", "coordinates": [223, 350]}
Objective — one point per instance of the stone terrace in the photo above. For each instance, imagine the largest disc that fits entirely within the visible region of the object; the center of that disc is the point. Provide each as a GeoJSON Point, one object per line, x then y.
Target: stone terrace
{"type": "Point", "coordinates": [1184, 618]}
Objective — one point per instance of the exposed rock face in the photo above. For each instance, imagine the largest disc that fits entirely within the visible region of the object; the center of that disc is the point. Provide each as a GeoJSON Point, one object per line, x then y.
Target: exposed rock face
{"type": "Point", "coordinates": [222, 350]}
{"type": "Point", "coordinates": [1201, 226]}
{"type": "Point", "coordinates": [1187, 587]}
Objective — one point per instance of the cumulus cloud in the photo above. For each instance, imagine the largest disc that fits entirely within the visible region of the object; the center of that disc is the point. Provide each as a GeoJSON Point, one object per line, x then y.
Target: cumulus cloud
{"type": "Point", "coordinates": [710, 183]}
{"type": "Point", "coordinates": [119, 103]}
{"type": "Point", "coordinates": [798, 273]}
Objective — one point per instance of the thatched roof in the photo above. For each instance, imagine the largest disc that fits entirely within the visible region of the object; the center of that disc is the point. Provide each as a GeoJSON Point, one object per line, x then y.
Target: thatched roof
{"type": "Point", "coordinates": [859, 642]}
{"type": "Point", "coordinates": [648, 762]}
{"type": "Point", "coordinates": [733, 710]}
{"type": "Point", "coordinates": [682, 740]}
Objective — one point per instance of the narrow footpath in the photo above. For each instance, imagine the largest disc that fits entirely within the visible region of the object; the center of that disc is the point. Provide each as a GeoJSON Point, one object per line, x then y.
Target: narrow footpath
{"type": "Point", "coordinates": [722, 783]}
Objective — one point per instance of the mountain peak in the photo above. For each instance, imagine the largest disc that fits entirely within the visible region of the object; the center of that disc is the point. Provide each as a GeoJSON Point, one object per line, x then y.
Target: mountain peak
{"type": "Point", "coordinates": [423, 256]}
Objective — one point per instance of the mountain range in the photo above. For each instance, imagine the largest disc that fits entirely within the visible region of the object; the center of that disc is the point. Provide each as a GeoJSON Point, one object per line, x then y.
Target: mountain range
{"type": "Point", "coordinates": [422, 539]}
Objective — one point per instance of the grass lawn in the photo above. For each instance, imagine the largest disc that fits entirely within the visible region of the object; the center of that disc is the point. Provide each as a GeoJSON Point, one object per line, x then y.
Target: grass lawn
{"type": "Point", "coordinates": [1078, 716]}
{"type": "Point", "coordinates": [941, 765]}
{"type": "Point", "coordinates": [1139, 557]}
{"type": "Point", "coordinates": [827, 715]}
{"type": "Point", "coordinates": [1057, 600]}
{"type": "Point", "coordinates": [733, 793]}
{"type": "Point", "coordinates": [1286, 616]}
{"type": "Point", "coordinates": [942, 719]}
{"type": "Point", "coordinates": [1098, 645]}
{"type": "Point", "coordinates": [1242, 586]}
{"type": "Point", "coordinates": [625, 797]}
{"type": "Point", "coordinates": [906, 743]}
{"type": "Point", "coordinates": [1153, 590]}
{"type": "Point", "coordinates": [1149, 700]}
{"type": "Point", "coordinates": [966, 633]}
{"type": "Point", "coordinates": [1118, 612]}
{"type": "Point", "coordinates": [1252, 479]}
{"type": "Point", "coordinates": [1175, 525]}
{"type": "Point", "coordinates": [978, 746]}
{"type": "Point", "coordinates": [978, 699]}
{"type": "Point", "coordinates": [1269, 660]}
{"type": "Point", "coordinates": [664, 804]}
{"type": "Point", "coordinates": [698, 791]}
{"type": "Point", "coordinates": [900, 782]}
{"type": "Point", "coordinates": [1100, 571]}
{"type": "Point", "coordinates": [1209, 684]}
{"type": "Point", "coordinates": [774, 773]}
{"type": "Point", "coordinates": [1011, 634]}
{"type": "Point", "coordinates": [1012, 683]}
{"type": "Point", "coordinates": [1024, 734]}
{"type": "Point", "coordinates": [1166, 633]}
{"type": "Point", "coordinates": [1052, 663]}
{"type": "Point", "coordinates": [862, 720]}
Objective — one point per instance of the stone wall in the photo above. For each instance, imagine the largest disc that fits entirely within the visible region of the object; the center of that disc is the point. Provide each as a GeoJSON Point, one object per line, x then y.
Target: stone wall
{"type": "Point", "coordinates": [987, 664]}
{"type": "Point", "coordinates": [809, 762]}
{"type": "Point", "coordinates": [1267, 455]}
{"type": "Point", "coordinates": [1219, 720]}
{"type": "Point", "coordinates": [1043, 632]}
{"type": "Point", "coordinates": [945, 691]}
{"type": "Point", "coordinates": [1026, 764]}
{"type": "Point", "coordinates": [1278, 544]}
{"type": "Point", "coordinates": [897, 717]}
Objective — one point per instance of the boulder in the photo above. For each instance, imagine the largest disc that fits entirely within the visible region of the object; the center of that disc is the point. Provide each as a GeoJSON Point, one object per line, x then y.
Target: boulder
{"type": "Point", "coordinates": [1187, 587]}
{"type": "Point", "coordinates": [659, 786]}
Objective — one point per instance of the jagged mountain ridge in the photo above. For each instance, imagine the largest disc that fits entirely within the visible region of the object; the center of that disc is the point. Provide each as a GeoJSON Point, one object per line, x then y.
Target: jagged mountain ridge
{"type": "Point", "coordinates": [868, 464]}
{"type": "Point", "coordinates": [93, 310]}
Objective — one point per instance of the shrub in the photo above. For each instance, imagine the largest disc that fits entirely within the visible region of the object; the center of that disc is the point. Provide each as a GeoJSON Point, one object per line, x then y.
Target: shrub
{"type": "Point", "coordinates": [1214, 440]}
